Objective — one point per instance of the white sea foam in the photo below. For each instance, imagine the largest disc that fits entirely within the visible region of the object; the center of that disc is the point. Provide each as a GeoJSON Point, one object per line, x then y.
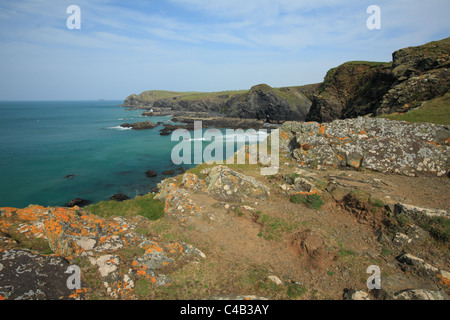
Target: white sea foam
{"type": "Point", "coordinates": [119, 128]}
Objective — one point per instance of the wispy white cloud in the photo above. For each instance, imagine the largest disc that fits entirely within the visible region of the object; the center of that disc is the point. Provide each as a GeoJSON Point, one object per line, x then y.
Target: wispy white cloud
{"type": "Point", "coordinates": [177, 44]}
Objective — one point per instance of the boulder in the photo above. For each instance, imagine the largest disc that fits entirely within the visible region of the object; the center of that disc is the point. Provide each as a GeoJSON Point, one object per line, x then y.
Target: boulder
{"type": "Point", "coordinates": [119, 197]}
{"type": "Point", "coordinates": [350, 294]}
{"type": "Point", "coordinates": [225, 184]}
{"type": "Point", "coordinates": [150, 174]}
{"type": "Point", "coordinates": [77, 202]}
{"type": "Point", "coordinates": [73, 234]}
{"type": "Point", "coordinates": [421, 294]}
{"type": "Point", "coordinates": [371, 144]}
{"type": "Point", "coordinates": [419, 213]}
{"type": "Point", "coordinates": [25, 275]}
{"type": "Point", "coordinates": [139, 125]}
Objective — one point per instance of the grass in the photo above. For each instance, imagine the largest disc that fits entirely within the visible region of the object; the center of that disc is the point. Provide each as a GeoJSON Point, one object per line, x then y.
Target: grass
{"type": "Point", "coordinates": [343, 252]}
{"type": "Point", "coordinates": [439, 228]}
{"type": "Point", "coordinates": [272, 228]}
{"type": "Point", "coordinates": [434, 111]}
{"type": "Point", "coordinates": [145, 206]}
{"type": "Point", "coordinates": [371, 63]}
{"type": "Point", "coordinates": [312, 201]}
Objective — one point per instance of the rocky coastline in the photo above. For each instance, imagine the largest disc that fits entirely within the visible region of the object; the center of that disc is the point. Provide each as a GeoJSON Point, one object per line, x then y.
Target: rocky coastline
{"type": "Point", "coordinates": [357, 199]}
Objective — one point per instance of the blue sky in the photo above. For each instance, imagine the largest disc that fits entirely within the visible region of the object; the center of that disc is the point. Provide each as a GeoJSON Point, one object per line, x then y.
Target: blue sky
{"type": "Point", "coordinates": [126, 47]}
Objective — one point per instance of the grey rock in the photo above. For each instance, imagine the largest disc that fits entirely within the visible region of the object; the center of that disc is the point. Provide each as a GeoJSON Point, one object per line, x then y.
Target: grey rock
{"type": "Point", "coordinates": [421, 294]}
{"type": "Point", "coordinates": [30, 276]}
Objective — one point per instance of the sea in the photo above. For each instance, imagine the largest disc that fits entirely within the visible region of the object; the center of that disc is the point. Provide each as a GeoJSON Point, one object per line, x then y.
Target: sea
{"type": "Point", "coordinates": [54, 151]}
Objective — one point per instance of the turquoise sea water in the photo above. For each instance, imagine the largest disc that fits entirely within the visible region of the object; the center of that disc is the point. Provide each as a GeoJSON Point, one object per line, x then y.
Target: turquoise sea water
{"type": "Point", "coordinates": [42, 142]}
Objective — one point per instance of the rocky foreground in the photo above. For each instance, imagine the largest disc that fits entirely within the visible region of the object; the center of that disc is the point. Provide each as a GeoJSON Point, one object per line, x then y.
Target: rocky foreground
{"type": "Point", "coordinates": [348, 195]}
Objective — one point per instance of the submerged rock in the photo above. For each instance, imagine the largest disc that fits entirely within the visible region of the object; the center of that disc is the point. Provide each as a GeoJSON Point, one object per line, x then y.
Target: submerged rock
{"type": "Point", "coordinates": [150, 174]}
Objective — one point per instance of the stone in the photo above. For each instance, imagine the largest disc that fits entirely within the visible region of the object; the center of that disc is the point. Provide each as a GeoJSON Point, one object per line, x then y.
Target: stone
{"type": "Point", "coordinates": [275, 280]}
{"type": "Point", "coordinates": [401, 238]}
{"type": "Point", "coordinates": [150, 174]}
{"type": "Point", "coordinates": [139, 125]}
{"type": "Point", "coordinates": [421, 294]}
{"type": "Point", "coordinates": [86, 244]}
{"type": "Point", "coordinates": [411, 260]}
{"type": "Point", "coordinates": [418, 212]}
{"type": "Point", "coordinates": [350, 294]}
{"type": "Point", "coordinates": [107, 264]}
{"type": "Point", "coordinates": [369, 143]}
{"type": "Point", "coordinates": [239, 185]}
{"type": "Point", "coordinates": [119, 197]}
{"type": "Point", "coordinates": [77, 202]}
{"type": "Point", "coordinates": [31, 276]}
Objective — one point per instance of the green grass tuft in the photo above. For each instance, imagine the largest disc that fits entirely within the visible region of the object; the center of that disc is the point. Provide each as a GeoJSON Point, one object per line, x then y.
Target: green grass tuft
{"type": "Point", "coordinates": [433, 111]}
{"type": "Point", "coordinates": [145, 206]}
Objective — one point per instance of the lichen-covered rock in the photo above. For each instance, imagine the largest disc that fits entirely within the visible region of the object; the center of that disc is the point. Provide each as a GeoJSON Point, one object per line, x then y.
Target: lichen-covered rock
{"type": "Point", "coordinates": [421, 294]}
{"type": "Point", "coordinates": [178, 201]}
{"type": "Point", "coordinates": [225, 184]}
{"type": "Point", "coordinates": [376, 144]}
{"type": "Point", "coordinates": [71, 234]}
{"type": "Point", "coordinates": [25, 275]}
{"type": "Point", "coordinates": [421, 73]}
{"type": "Point", "coordinates": [193, 182]}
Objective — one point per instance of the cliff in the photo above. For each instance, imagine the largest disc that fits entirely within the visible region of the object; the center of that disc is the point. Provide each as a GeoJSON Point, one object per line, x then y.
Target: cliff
{"type": "Point", "coordinates": [416, 75]}
{"type": "Point", "coordinates": [357, 88]}
{"type": "Point", "coordinates": [261, 102]}
{"type": "Point", "coordinates": [350, 90]}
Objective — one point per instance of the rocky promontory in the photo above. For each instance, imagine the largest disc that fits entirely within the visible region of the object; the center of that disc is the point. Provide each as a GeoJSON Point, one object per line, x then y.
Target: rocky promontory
{"type": "Point", "coordinates": [358, 88]}
{"type": "Point", "coordinates": [261, 102]}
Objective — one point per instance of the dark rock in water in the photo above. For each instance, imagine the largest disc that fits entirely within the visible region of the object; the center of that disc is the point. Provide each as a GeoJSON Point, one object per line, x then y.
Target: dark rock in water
{"type": "Point", "coordinates": [151, 174]}
{"type": "Point", "coordinates": [139, 125]}
{"type": "Point", "coordinates": [70, 176]}
{"type": "Point", "coordinates": [169, 172]}
{"type": "Point", "coordinates": [119, 197]}
{"type": "Point", "coordinates": [181, 169]}
{"type": "Point", "coordinates": [77, 202]}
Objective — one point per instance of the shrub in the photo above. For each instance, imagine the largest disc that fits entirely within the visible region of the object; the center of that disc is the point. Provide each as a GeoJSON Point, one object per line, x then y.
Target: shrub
{"type": "Point", "coordinates": [312, 201]}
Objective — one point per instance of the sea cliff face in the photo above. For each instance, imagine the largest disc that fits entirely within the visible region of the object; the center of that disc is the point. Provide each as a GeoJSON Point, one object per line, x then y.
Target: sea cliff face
{"type": "Point", "coordinates": [357, 88]}
{"type": "Point", "coordinates": [261, 102]}
{"type": "Point", "coordinates": [416, 75]}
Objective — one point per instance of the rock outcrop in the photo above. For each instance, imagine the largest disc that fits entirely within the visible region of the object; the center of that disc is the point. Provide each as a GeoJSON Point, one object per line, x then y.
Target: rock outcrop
{"type": "Point", "coordinates": [376, 144]}
{"type": "Point", "coordinates": [66, 236]}
{"type": "Point", "coordinates": [261, 102]}
{"type": "Point", "coordinates": [140, 125]}
{"type": "Point", "coordinates": [264, 103]}
{"type": "Point", "coordinates": [416, 75]}
{"type": "Point", "coordinates": [350, 90]}
{"type": "Point", "coordinates": [420, 74]}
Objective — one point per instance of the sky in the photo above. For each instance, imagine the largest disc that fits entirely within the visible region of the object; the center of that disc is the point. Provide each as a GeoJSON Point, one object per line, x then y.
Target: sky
{"type": "Point", "coordinates": [125, 47]}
